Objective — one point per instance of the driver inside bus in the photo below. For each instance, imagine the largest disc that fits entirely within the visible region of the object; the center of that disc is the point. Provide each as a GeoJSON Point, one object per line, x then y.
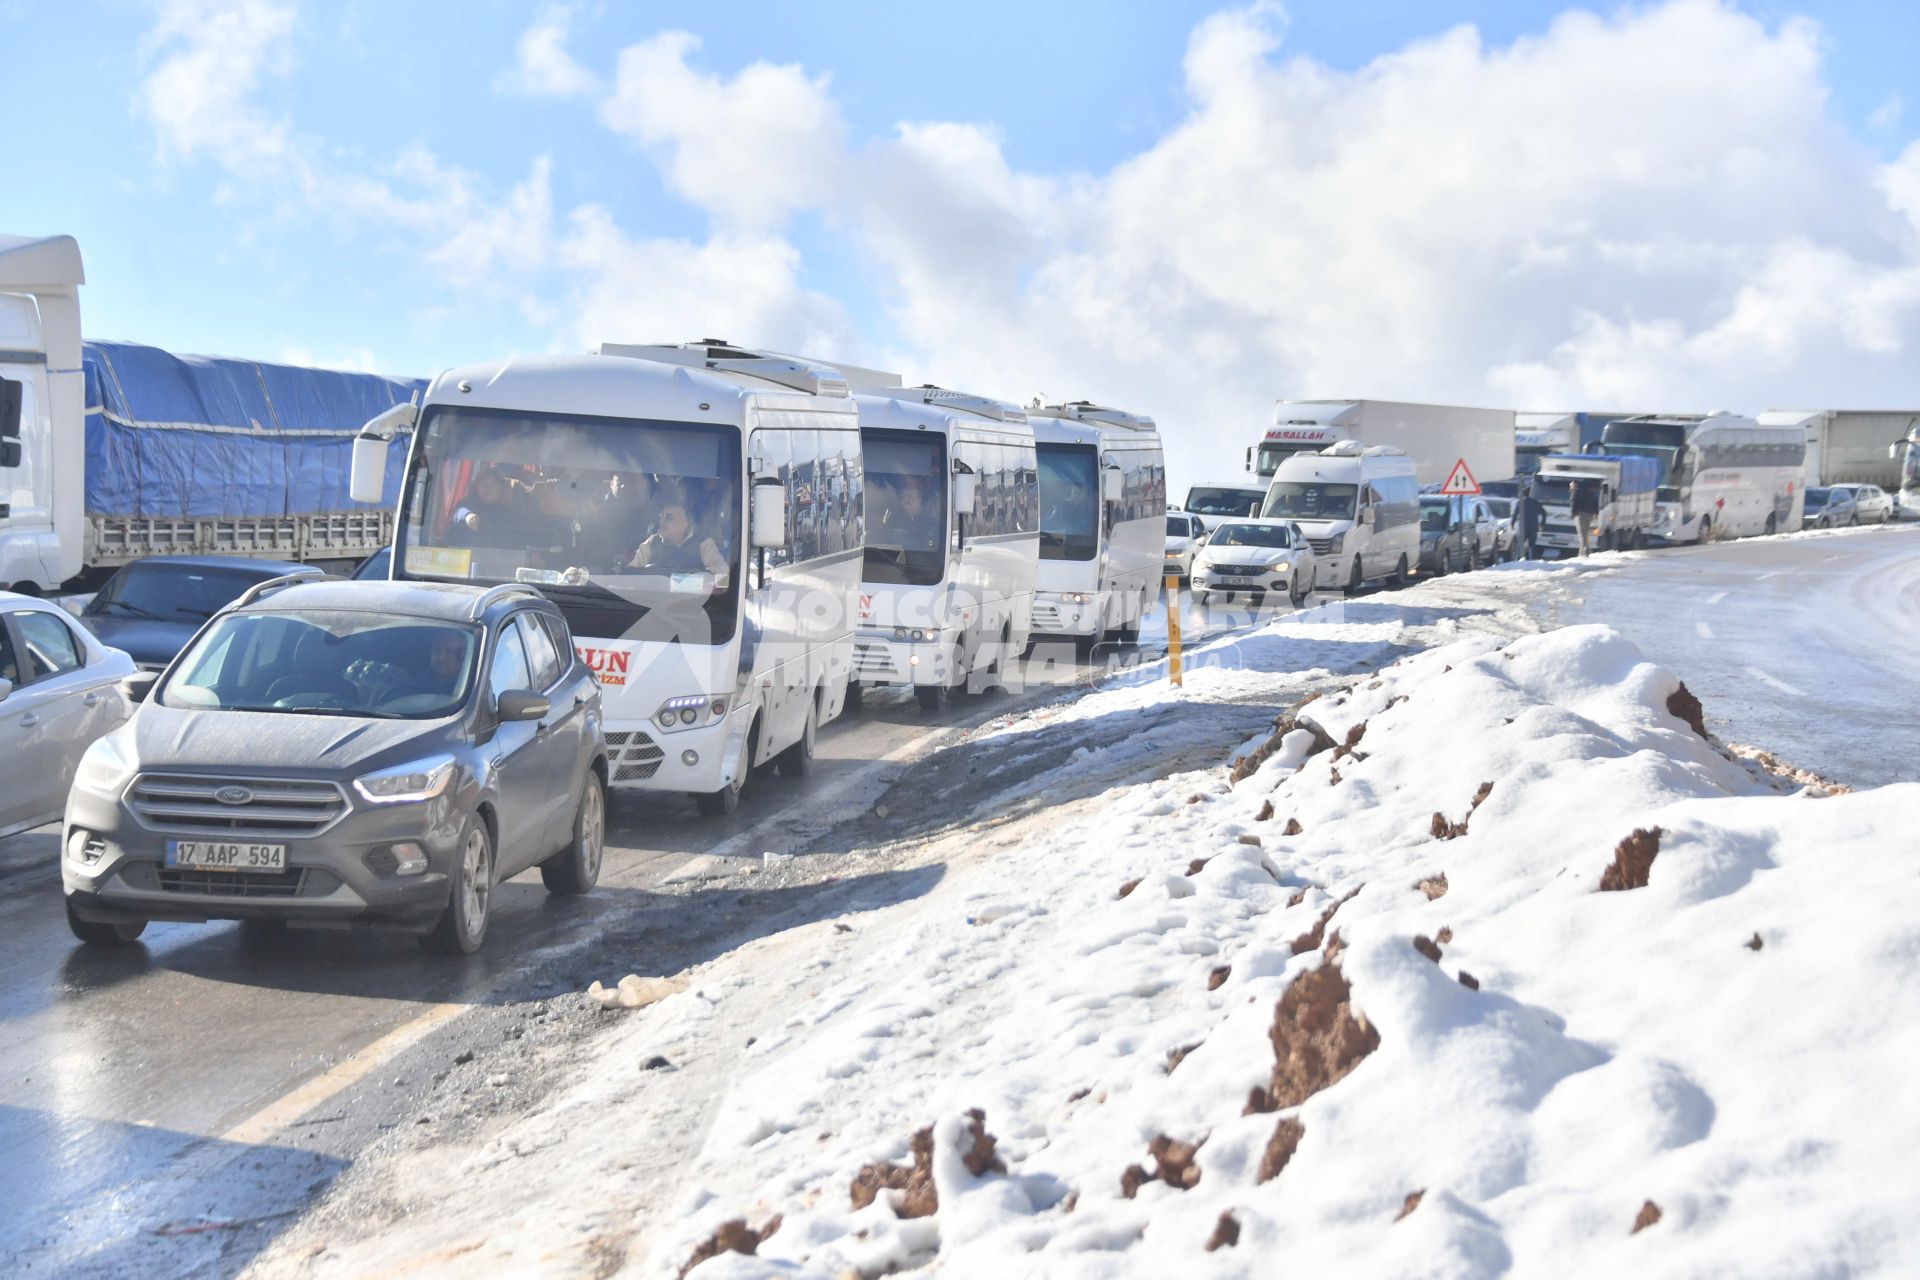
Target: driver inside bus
{"type": "Point", "coordinates": [679, 548]}
{"type": "Point", "coordinates": [1069, 512]}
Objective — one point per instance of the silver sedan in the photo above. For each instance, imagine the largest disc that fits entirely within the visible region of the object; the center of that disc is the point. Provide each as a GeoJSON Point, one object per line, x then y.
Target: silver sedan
{"type": "Point", "coordinates": [59, 690]}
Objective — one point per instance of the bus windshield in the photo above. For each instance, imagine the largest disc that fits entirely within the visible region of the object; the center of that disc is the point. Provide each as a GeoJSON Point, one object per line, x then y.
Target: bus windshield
{"type": "Point", "coordinates": [1069, 502]}
{"type": "Point", "coordinates": [631, 526]}
{"type": "Point", "coordinates": [1310, 500]}
{"type": "Point", "coordinates": [906, 474]}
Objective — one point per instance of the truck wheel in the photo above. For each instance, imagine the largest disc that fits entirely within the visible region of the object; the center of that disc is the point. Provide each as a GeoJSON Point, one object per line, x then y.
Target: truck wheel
{"type": "Point", "coordinates": [797, 760]}
{"type": "Point", "coordinates": [462, 927]}
{"type": "Point", "coordinates": [95, 934]}
{"type": "Point", "coordinates": [576, 868]}
{"type": "Point", "coordinates": [1354, 578]}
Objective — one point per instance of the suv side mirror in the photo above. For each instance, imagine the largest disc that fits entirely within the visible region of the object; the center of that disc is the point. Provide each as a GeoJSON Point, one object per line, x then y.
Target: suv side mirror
{"type": "Point", "coordinates": [769, 513]}
{"type": "Point", "coordinates": [137, 686]}
{"type": "Point", "coordinates": [522, 704]}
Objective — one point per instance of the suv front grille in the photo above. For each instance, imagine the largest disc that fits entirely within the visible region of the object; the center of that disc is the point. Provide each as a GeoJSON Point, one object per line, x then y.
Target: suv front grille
{"type": "Point", "coordinates": [636, 756]}
{"type": "Point", "coordinates": [230, 884]}
{"type": "Point", "coordinates": [186, 803]}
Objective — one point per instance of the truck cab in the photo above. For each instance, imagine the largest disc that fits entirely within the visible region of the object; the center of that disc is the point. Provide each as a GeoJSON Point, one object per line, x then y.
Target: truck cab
{"type": "Point", "coordinates": [40, 467]}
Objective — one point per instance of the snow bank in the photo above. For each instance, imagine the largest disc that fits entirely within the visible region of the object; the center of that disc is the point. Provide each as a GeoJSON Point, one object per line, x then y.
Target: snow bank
{"type": "Point", "coordinates": [1708, 1074]}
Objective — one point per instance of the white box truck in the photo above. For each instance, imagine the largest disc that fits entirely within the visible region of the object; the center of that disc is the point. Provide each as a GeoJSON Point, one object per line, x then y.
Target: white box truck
{"type": "Point", "coordinates": [1434, 436]}
{"type": "Point", "coordinates": [1849, 446]}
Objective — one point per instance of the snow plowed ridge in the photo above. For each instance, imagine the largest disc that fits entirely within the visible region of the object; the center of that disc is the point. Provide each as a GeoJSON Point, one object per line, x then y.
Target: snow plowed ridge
{"type": "Point", "coordinates": [1730, 1044]}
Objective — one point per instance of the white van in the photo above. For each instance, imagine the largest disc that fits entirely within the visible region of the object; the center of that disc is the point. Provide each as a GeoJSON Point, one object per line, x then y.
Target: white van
{"type": "Point", "coordinates": [1103, 520]}
{"type": "Point", "coordinates": [952, 540]}
{"type": "Point", "coordinates": [1359, 507]}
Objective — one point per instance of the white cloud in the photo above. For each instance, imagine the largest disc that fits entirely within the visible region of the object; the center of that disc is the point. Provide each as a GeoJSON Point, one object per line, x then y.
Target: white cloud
{"type": "Point", "coordinates": [738, 286]}
{"type": "Point", "coordinates": [1611, 212]}
{"type": "Point", "coordinates": [749, 150]}
{"type": "Point", "coordinates": [542, 66]}
{"type": "Point", "coordinates": [210, 58]}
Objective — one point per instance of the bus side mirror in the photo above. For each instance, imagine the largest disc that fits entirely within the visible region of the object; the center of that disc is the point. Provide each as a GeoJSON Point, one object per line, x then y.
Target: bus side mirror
{"type": "Point", "coordinates": [1113, 484]}
{"type": "Point", "coordinates": [10, 401]}
{"type": "Point", "coordinates": [966, 492]}
{"type": "Point", "coordinates": [769, 514]}
{"type": "Point", "coordinates": [368, 481]}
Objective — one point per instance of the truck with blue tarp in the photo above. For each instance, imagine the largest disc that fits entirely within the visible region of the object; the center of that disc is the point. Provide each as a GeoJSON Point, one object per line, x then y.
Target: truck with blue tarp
{"type": "Point", "coordinates": [1627, 485]}
{"type": "Point", "coordinates": [119, 450]}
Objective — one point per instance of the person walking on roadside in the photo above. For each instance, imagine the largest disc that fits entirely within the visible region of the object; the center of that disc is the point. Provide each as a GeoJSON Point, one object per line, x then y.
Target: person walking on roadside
{"type": "Point", "coordinates": [1586, 509]}
{"type": "Point", "coordinates": [1531, 514]}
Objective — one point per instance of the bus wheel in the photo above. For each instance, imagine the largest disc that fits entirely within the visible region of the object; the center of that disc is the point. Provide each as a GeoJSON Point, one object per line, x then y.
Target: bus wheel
{"type": "Point", "coordinates": [855, 692]}
{"type": "Point", "coordinates": [797, 760]}
{"type": "Point", "coordinates": [931, 697]}
{"type": "Point", "coordinates": [1772, 524]}
{"type": "Point", "coordinates": [1353, 577]}
{"type": "Point", "coordinates": [718, 804]}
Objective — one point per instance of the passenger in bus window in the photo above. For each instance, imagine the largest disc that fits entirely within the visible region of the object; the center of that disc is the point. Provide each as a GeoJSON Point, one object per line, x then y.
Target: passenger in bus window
{"type": "Point", "coordinates": [909, 521]}
{"type": "Point", "coordinates": [490, 514]}
{"type": "Point", "coordinates": [679, 548]}
{"type": "Point", "coordinates": [618, 520]}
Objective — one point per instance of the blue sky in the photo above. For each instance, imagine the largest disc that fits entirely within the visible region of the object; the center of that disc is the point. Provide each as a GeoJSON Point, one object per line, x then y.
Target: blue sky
{"type": "Point", "coordinates": [297, 213]}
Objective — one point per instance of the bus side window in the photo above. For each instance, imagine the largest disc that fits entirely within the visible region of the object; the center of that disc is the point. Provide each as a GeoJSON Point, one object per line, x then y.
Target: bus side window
{"type": "Point", "coordinates": [772, 452]}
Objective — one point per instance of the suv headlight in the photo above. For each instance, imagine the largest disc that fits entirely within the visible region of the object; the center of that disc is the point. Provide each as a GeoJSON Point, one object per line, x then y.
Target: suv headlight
{"type": "Point", "coordinates": [105, 768]}
{"type": "Point", "coordinates": [419, 780]}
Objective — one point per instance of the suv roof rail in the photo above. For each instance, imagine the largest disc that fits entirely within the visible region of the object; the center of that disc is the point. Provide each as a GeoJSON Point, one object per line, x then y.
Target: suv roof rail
{"type": "Point", "coordinates": [261, 590]}
{"type": "Point", "coordinates": [494, 595]}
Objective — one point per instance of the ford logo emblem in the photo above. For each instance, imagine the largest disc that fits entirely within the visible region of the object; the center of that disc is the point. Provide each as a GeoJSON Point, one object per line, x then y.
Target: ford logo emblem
{"type": "Point", "coordinates": [233, 795]}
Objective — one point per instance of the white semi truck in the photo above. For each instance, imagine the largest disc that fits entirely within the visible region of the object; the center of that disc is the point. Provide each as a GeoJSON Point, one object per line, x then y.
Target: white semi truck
{"type": "Point", "coordinates": [1435, 436]}
{"type": "Point", "coordinates": [1849, 446]}
{"type": "Point", "coordinates": [111, 451]}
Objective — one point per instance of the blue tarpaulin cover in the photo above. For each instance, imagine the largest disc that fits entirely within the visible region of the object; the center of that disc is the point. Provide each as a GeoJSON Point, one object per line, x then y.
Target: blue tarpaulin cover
{"type": "Point", "coordinates": [195, 436]}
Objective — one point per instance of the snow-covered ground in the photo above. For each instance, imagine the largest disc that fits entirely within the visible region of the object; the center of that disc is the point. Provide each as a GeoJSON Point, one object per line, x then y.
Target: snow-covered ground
{"type": "Point", "coordinates": [1368, 1008]}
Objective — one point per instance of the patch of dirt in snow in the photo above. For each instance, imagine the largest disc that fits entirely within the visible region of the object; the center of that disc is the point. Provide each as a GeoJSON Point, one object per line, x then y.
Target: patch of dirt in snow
{"type": "Point", "coordinates": [732, 1236]}
{"type": "Point", "coordinates": [1317, 1038]}
{"type": "Point", "coordinates": [1632, 861]}
{"type": "Point", "coordinates": [918, 1198]}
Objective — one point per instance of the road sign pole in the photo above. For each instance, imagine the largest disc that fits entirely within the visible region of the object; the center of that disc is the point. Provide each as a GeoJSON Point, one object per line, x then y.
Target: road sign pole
{"type": "Point", "coordinates": [1173, 630]}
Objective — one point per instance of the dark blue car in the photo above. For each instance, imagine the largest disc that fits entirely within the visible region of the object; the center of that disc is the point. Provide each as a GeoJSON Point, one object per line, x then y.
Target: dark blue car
{"type": "Point", "coordinates": [152, 607]}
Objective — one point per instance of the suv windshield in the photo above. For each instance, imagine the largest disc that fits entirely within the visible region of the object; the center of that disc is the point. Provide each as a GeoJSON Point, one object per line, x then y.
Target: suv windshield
{"type": "Point", "coordinates": [1251, 535]}
{"type": "Point", "coordinates": [1310, 500]}
{"type": "Point", "coordinates": [1208, 500]}
{"type": "Point", "coordinates": [163, 592]}
{"type": "Point", "coordinates": [615, 519]}
{"type": "Point", "coordinates": [1436, 515]}
{"type": "Point", "coordinates": [1069, 502]}
{"type": "Point", "coordinates": [335, 662]}
{"type": "Point", "coordinates": [906, 474]}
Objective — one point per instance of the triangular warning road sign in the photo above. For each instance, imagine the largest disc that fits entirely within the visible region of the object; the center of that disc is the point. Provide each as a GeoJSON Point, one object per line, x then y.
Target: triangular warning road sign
{"type": "Point", "coordinates": [1460, 482]}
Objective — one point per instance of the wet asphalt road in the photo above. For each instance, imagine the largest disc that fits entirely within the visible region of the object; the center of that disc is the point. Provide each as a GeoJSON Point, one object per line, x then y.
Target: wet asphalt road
{"type": "Point", "coordinates": [1840, 699]}
{"type": "Point", "coordinates": [154, 1097]}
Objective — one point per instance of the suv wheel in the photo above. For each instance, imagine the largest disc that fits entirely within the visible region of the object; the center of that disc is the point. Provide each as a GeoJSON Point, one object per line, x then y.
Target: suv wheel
{"type": "Point", "coordinates": [462, 927]}
{"type": "Point", "coordinates": [95, 934]}
{"type": "Point", "coordinates": [576, 868]}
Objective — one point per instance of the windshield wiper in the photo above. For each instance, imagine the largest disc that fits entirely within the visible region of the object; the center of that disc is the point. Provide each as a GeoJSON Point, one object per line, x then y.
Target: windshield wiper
{"type": "Point", "coordinates": [133, 609]}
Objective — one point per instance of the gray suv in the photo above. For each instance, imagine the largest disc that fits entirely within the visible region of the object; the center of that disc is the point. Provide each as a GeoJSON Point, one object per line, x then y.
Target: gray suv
{"type": "Point", "coordinates": [328, 751]}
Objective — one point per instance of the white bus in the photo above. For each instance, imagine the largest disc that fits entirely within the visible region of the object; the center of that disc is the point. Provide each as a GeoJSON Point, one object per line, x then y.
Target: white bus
{"type": "Point", "coordinates": [952, 540]}
{"type": "Point", "coordinates": [695, 511]}
{"type": "Point", "coordinates": [1103, 521]}
{"type": "Point", "coordinates": [1721, 475]}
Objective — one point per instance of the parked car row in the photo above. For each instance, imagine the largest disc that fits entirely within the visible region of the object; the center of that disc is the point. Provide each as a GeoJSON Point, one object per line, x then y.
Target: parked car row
{"type": "Point", "coordinates": [1840, 505]}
